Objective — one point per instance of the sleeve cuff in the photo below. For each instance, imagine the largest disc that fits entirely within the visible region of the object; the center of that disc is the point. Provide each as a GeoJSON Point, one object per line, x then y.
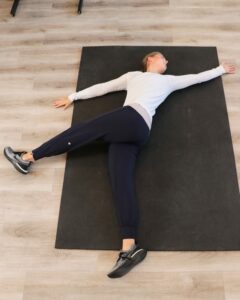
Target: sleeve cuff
{"type": "Point", "coordinates": [71, 97]}
{"type": "Point", "coordinates": [222, 69]}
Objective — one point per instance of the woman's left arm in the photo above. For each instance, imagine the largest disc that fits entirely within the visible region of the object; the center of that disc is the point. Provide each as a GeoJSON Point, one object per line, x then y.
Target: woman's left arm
{"type": "Point", "coordinates": [177, 82]}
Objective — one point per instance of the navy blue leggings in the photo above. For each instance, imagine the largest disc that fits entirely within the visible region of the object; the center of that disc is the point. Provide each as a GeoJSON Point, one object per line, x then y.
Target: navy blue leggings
{"type": "Point", "coordinates": [126, 132]}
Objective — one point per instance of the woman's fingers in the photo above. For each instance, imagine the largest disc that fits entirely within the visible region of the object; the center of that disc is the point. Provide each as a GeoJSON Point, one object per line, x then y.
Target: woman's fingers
{"type": "Point", "coordinates": [59, 102]}
{"type": "Point", "coordinates": [233, 68]}
{"type": "Point", "coordinates": [62, 102]}
{"type": "Point", "coordinates": [230, 68]}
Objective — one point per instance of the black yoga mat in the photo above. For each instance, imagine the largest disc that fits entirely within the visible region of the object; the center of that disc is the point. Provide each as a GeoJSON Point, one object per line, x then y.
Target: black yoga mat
{"type": "Point", "coordinates": [186, 179]}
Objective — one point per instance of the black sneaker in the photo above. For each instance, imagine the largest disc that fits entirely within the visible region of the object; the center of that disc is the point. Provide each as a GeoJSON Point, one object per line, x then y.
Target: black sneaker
{"type": "Point", "coordinates": [127, 260]}
{"type": "Point", "coordinates": [14, 157]}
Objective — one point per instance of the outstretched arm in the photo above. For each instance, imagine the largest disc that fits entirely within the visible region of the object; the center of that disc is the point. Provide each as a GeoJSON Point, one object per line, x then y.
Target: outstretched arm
{"type": "Point", "coordinates": [99, 89]}
{"type": "Point", "coordinates": [177, 82]}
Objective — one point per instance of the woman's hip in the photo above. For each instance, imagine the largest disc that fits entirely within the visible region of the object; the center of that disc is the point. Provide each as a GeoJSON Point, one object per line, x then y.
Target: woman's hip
{"type": "Point", "coordinates": [126, 121]}
{"type": "Point", "coordinates": [123, 124]}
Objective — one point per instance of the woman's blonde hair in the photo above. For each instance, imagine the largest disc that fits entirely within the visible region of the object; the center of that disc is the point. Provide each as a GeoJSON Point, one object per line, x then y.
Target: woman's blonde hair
{"type": "Point", "coordinates": [144, 61]}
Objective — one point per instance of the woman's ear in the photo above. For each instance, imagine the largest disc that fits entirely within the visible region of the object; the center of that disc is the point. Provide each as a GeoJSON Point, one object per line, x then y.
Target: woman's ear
{"type": "Point", "coordinates": [149, 59]}
{"type": "Point", "coordinates": [148, 62]}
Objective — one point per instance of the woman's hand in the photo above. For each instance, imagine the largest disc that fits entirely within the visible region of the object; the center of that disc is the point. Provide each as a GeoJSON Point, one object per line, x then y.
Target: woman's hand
{"type": "Point", "coordinates": [229, 68]}
{"type": "Point", "coordinates": [62, 102]}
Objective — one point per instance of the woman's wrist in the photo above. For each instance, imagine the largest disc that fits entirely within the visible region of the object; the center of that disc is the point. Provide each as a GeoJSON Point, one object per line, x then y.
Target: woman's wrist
{"type": "Point", "coordinates": [71, 97]}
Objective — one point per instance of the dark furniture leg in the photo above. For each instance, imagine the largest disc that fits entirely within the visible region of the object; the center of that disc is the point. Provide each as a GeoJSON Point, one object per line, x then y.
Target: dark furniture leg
{"type": "Point", "coordinates": [80, 3]}
{"type": "Point", "coordinates": [16, 2]}
{"type": "Point", "coordinates": [14, 7]}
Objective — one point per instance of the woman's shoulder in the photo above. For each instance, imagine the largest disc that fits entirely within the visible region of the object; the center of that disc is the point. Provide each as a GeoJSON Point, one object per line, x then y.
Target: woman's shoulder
{"type": "Point", "coordinates": [135, 72]}
{"type": "Point", "coordinates": [132, 74]}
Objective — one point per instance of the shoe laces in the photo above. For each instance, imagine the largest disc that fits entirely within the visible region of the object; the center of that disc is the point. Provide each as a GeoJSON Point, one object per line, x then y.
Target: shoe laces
{"type": "Point", "coordinates": [124, 255]}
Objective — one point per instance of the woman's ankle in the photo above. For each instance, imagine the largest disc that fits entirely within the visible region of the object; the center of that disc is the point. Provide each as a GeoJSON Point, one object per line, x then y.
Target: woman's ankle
{"type": "Point", "coordinates": [127, 244]}
{"type": "Point", "coordinates": [28, 156]}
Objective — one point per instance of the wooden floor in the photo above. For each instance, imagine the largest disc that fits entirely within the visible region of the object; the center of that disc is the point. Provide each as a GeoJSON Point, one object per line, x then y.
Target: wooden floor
{"type": "Point", "coordinates": [39, 58]}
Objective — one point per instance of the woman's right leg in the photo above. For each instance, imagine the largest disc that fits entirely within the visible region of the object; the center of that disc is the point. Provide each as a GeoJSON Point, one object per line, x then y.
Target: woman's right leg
{"type": "Point", "coordinates": [124, 124]}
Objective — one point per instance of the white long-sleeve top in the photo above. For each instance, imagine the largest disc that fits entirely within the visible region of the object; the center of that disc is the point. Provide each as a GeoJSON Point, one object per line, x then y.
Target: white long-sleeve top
{"type": "Point", "coordinates": [146, 90]}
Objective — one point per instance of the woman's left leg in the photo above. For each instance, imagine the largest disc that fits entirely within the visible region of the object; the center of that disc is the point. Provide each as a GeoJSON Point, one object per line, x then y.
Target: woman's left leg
{"type": "Point", "coordinates": [121, 162]}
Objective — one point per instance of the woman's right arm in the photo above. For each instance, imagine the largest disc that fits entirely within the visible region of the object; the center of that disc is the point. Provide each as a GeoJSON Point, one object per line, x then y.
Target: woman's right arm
{"type": "Point", "coordinates": [95, 90]}
{"type": "Point", "coordinates": [99, 89]}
